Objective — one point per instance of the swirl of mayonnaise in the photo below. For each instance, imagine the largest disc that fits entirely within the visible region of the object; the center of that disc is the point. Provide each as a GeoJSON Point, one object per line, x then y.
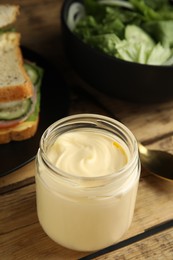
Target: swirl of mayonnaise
{"type": "Point", "coordinates": [87, 154]}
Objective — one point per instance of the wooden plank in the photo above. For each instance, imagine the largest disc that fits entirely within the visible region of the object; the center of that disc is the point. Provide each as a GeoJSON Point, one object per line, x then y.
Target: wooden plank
{"type": "Point", "coordinates": [154, 204]}
{"type": "Point", "coordinates": [19, 178]}
{"type": "Point", "coordinates": [31, 242]}
{"type": "Point", "coordinates": [157, 247]}
{"type": "Point", "coordinates": [20, 233]}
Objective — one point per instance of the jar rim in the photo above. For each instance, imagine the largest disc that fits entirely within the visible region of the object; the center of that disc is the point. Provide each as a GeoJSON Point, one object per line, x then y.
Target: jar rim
{"type": "Point", "coordinates": [85, 117]}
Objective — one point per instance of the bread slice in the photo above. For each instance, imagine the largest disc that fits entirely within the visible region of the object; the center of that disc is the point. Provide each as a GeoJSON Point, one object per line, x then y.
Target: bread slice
{"type": "Point", "coordinates": [22, 131]}
{"type": "Point", "coordinates": [8, 14]}
{"type": "Point", "coordinates": [14, 81]}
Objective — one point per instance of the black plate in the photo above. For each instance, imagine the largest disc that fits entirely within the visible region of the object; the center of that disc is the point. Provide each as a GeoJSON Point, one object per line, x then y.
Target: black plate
{"type": "Point", "coordinates": [54, 105]}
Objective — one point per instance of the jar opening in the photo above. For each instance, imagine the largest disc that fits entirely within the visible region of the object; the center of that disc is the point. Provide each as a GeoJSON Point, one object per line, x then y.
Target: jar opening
{"type": "Point", "coordinates": [90, 121]}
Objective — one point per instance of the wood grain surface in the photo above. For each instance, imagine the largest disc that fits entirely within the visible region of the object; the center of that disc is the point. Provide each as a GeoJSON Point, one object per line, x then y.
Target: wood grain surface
{"type": "Point", "coordinates": [156, 247]}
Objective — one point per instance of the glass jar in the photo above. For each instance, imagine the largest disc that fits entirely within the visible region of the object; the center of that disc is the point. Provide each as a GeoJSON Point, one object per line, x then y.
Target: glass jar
{"type": "Point", "coordinates": [86, 213]}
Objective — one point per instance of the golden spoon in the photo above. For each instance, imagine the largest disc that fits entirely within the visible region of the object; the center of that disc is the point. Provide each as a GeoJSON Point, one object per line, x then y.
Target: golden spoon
{"type": "Point", "coordinates": [159, 163]}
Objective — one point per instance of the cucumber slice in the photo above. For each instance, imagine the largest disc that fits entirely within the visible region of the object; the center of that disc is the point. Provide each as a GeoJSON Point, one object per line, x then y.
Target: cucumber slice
{"type": "Point", "coordinates": [159, 55]}
{"type": "Point", "coordinates": [131, 51]}
{"type": "Point", "coordinates": [32, 73]}
{"type": "Point", "coordinates": [15, 109]}
{"type": "Point", "coordinates": [135, 34]}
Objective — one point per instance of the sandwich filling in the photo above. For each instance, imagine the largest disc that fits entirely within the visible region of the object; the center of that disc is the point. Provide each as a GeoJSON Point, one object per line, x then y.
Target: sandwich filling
{"type": "Point", "coordinates": [15, 112]}
{"type": "Point", "coordinates": [14, 109]}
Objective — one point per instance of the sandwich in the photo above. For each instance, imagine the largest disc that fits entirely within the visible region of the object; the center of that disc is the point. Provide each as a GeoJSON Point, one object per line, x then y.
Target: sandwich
{"type": "Point", "coordinates": [20, 82]}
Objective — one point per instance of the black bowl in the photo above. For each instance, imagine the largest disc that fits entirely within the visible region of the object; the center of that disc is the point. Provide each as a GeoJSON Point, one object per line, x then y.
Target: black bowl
{"type": "Point", "coordinates": [115, 77]}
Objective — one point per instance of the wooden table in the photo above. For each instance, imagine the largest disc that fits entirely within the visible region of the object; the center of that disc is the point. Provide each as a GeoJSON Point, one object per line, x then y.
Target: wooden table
{"type": "Point", "coordinates": [151, 233]}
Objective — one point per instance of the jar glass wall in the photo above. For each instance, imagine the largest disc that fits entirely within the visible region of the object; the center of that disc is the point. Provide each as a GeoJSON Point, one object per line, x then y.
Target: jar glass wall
{"type": "Point", "coordinates": [86, 213]}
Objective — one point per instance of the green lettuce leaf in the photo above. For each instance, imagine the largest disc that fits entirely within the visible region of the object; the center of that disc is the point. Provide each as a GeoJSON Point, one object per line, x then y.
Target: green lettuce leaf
{"type": "Point", "coordinates": [151, 35]}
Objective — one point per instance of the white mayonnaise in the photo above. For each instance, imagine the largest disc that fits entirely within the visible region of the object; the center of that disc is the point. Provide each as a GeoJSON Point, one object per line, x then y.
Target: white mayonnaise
{"type": "Point", "coordinates": [87, 153]}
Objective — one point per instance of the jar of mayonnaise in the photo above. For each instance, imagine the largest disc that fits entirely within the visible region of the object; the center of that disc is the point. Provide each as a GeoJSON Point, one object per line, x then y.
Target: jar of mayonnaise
{"type": "Point", "coordinates": [86, 181]}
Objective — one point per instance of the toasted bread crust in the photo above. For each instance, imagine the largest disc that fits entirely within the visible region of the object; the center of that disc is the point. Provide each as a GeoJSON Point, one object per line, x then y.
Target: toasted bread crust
{"type": "Point", "coordinates": [17, 92]}
{"type": "Point", "coordinates": [23, 131]}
